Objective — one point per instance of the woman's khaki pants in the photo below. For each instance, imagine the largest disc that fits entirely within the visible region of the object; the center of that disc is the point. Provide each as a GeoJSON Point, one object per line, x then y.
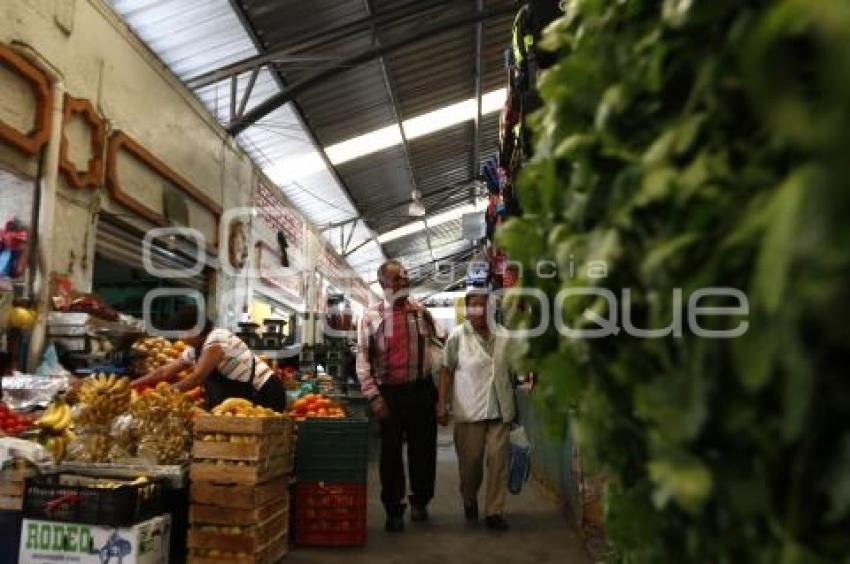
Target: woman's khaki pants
{"type": "Point", "coordinates": [474, 441]}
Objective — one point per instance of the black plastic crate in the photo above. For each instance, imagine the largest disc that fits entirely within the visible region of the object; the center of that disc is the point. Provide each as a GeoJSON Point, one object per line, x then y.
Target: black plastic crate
{"type": "Point", "coordinates": [332, 450]}
{"type": "Point", "coordinates": [49, 499]}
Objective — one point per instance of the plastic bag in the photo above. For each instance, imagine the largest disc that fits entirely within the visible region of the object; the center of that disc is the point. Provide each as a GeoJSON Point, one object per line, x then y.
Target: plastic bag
{"type": "Point", "coordinates": [519, 467]}
{"type": "Point", "coordinates": [124, 433]}
{"type": "Point", "coordinates": [50, 365]}
{"type": "Point", "coordinates": [13, 450]}
{"type": "Point", "coordinates": [90, 446]}
{"type": "Point", "coordinates": [22, 392]}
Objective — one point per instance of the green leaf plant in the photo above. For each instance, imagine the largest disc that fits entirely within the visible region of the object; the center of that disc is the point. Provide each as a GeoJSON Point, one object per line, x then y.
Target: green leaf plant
{"type": "Point", "coordinates": [693, 144]}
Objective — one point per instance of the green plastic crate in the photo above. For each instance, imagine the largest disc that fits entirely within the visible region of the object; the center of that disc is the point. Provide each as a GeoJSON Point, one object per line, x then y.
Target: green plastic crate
{"type": "Point", "coordinates": [332, 450]}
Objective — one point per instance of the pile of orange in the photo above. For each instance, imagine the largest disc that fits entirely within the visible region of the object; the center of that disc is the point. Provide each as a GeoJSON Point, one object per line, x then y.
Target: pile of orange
{"type": "Point", "coordinates": [315, 405]}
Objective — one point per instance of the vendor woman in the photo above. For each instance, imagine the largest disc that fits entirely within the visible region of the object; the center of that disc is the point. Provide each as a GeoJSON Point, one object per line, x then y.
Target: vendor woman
{"type": "Point", "coordinates": [222, 363]}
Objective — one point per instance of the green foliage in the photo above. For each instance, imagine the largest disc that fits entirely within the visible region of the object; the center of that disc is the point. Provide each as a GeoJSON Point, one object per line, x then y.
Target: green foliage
{"type": "Point", "coordinates": [689, 144]}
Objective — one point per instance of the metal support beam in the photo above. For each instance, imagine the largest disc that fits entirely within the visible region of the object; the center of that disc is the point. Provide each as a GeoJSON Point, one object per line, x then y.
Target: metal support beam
{"type": "Point", "coordinates": [234, 87]}
{"type": "Point", "coordinates": [338, 224]}
{"type": "Point", "coordinates": [476, 132]}
{"type": "Point", "coordinates": [302, 51]}
{"type": "Point", "coordinates": [252, 80]}
{"type": "Point", "coordinates": [358, 247]}
{"type": "Point", "coordinates": [258, 44]}
{"type": "Point", "coordinates": [253, 64]}
{"type": "Point", "coordinates": [274, 102]}
{"type": "Point", "coordinates": [350, 236]}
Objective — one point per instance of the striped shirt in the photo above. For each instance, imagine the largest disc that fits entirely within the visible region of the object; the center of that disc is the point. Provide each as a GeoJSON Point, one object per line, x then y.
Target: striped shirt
{"type": "Point", "coordinates": [381, 339]}
{"type": "Point", "coordinates": [236, 363]}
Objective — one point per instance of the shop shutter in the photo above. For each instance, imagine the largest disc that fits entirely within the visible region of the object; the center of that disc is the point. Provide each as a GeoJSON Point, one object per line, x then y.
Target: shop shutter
{"type": "Point", "coordinates": [124, 244]}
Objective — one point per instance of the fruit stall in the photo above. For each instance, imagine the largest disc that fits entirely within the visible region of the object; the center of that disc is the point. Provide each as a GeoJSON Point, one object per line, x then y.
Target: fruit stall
{"type": "Point", "coordinates": [239, 483]}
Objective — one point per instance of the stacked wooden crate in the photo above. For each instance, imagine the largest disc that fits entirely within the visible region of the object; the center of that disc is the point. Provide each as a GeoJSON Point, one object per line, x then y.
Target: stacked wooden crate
{"type": "Point", "coordinates": [240, 476]}
{"type": "Point", "coordinates": [12, 478]}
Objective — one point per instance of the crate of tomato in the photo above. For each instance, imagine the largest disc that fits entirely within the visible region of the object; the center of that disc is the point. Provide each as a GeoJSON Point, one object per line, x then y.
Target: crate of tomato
{"type": "Point", "coordinates": [12, 423]}
{"type": "Point", "coordinates": [316, 406]}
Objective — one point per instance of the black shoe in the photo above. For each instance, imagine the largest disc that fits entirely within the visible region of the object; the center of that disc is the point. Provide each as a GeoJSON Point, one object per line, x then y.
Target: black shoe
{"type": "Point", "coordinates": [395, 523]}
{"type": "Point", "coordinates": [471, 512]}
{"type": "Point", "coordinates": [496, 523]}
{"type": "Point", "coordinates": [418, 514]}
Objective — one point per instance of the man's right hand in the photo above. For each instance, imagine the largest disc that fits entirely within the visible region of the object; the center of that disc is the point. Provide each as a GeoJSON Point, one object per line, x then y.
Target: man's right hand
{"type": "Point", "coordinates": [379, 408]}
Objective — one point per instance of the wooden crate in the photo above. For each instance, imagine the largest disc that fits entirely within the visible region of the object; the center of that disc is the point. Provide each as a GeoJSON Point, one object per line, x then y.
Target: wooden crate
{"type": "Point", "coordinates": [13, 489]}
{"type": "Point", "coordinates": [240, 496]}
{"type": "Point", "coordinates": [203, 514]}
{"type": "Point", "coordinates": [252, 540]}
{"type": "Point", "coordinates": [11, 503]}
{"type": "Point", "coordinates": [210, 424]}
{"type": "Point", "coordinates": [248, 475]}
{"type": "Point", "coordinates": [273, 553]}
{"type": "Point", "coordinates": [12, 486]}
{"type": "Point", "coordinates": [266, 446]}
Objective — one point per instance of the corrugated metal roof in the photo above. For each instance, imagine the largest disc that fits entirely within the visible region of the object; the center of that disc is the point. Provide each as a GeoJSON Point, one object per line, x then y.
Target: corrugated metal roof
{"type": "Point", "coordinates": [426, 75]}
{"type": "Point", "coordinates": [194, 36]}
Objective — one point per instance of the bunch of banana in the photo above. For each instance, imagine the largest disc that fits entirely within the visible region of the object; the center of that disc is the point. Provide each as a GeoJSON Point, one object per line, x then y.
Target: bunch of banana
{"type": "Point", "coordinates": [54, 428]}
{"type": "Point", "coordinates": [103, 398]}
{"type": "Point", "coordinates": [161, 401]}
{"type": "Point", "coordinates": [56, 418]}
{"type": "Point", "coordinates": [90, 447]}
{"type": "Point", "coordinates": [163, 415]}
{"type": "Point", "coordinates": [238, 407]}
{"type": "Point", "coordinates": [57, 445]}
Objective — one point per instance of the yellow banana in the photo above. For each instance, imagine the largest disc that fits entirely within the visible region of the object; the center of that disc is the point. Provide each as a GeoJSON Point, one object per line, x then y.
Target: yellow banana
{"type": "Point", "coordinates": [49, 418]}
{"type": "Point", "coordinates": [121, 385]}
{"type": "Point", "coordinates": [60, 449]}
{"type": "Point", "coordinates": [64, 419]}
{"type": "Point", "coordinates": [50, 444]}
{"type": "Point", "coordinates": [232, 404]}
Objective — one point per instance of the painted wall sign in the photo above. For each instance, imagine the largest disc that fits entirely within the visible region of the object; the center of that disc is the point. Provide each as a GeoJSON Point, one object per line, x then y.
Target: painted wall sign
{"type": "Point", "coordinates": [28, 142]}
{"type": "Point", "coordinates": [120, 142]}
{"type": "Point", "coordinates": [277, 216]}
{"type": "Point", "coordinates": [92, 176]}
{"type": "Point", "coordinates": [330, 265]}
{"type": "Point", "coordinates": [272, 272]}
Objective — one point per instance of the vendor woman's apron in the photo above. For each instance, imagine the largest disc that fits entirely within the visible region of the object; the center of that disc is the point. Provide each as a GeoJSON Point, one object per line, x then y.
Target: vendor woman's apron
{"type": "Point", "coordinates": [220, 388]}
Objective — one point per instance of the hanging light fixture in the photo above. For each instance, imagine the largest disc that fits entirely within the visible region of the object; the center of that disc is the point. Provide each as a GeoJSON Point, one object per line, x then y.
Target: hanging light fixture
{"type": "Point", "coordinates": [416, 208]}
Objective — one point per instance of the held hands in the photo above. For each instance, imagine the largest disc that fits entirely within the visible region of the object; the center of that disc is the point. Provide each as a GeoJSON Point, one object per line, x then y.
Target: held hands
{"type": "Point", "coordinates": [442, 414]}
{"type": "Point", "coordinates": [379, 408]}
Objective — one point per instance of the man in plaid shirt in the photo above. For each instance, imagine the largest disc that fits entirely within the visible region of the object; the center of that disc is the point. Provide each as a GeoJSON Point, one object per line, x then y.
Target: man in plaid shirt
{"type": "Point", "coordinates": [396, 339]}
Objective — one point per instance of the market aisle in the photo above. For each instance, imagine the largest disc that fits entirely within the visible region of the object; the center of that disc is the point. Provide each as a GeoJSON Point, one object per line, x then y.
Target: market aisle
{"type": "Point", "coordinates": [538, 534]}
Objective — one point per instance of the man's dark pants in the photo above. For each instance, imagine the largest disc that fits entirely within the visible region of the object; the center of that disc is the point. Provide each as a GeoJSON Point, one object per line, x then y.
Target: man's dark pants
{"type": "Point", "coordinates": [412, 418]}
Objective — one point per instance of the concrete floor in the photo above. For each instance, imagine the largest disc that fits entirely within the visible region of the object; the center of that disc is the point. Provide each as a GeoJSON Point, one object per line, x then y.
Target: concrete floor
{"type": "Point", "coordinates": [539, 533]}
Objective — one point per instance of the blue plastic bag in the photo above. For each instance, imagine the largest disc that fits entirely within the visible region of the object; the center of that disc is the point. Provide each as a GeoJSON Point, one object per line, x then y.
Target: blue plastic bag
{"type": "Point", "coordinates": [519, 467]}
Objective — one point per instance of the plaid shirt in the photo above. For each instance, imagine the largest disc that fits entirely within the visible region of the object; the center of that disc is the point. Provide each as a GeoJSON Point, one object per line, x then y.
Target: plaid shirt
{"type": "Point", "coordinates": [373, 349]}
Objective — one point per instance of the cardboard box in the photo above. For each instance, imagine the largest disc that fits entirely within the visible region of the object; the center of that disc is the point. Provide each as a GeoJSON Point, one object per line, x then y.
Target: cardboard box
{"type": "Point", "coordinates": [51, 542]}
